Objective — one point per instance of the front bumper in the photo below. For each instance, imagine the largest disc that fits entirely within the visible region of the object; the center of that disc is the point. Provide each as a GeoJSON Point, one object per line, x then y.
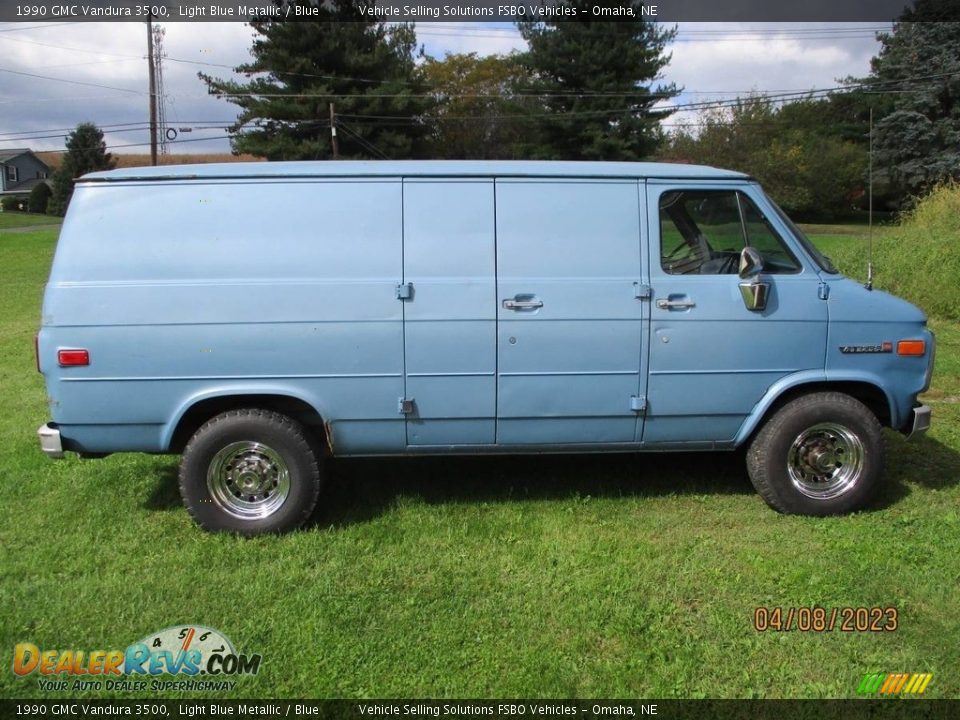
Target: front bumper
{"type": "Point", "coordinates": [50, 441]}
{"type": "Point", "coordinates": [921, 421]}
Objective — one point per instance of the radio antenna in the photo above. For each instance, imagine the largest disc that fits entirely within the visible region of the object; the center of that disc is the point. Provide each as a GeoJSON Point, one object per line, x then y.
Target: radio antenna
{"type": "Point", "coordinates": [869, 284]}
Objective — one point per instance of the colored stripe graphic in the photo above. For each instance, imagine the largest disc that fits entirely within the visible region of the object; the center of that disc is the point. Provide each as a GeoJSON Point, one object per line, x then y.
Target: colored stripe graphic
{"type": "Point", "coordinates": [871, 683]}
{"type": "Point", "coordinates": [894, 683]}
{"type": "Point", "coordinates": [189, 639]}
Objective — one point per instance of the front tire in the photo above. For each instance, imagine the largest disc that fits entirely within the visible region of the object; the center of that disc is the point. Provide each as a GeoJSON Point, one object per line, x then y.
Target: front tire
{"type": "Point", "coordinates": [820, 454]}
{"type": "Point", "coordinates": [250, 471]}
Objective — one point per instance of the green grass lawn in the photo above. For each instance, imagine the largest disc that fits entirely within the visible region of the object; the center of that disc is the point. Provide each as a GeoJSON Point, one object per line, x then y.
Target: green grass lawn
{"type": "Point", "coordinates": [18, 219]}
{"type": "Point", "coordinates": [591, 576]}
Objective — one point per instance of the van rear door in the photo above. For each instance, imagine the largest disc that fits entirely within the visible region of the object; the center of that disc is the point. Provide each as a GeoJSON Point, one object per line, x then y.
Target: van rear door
{"type": "Point", "coordinates": [449, 312]}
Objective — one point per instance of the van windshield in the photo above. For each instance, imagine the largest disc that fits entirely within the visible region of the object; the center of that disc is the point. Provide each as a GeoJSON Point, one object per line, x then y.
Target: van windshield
{"type": "Point", "coordinates": [824, 262]}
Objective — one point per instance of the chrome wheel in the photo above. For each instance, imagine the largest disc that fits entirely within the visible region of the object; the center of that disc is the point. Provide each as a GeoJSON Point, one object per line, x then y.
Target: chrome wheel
{"type": "Point", "coordinates": [825, 461]}
{"type": "Point", "coordinates": [248, 480]}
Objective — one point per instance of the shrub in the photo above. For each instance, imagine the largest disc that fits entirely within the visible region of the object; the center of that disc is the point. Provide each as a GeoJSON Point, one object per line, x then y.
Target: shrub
{"type": "Point", "coordinates": [39, 197]}
{"type": "Point", "coordinates": [919, 259]}
{"type": "Point", "coordinates": [12, 204]}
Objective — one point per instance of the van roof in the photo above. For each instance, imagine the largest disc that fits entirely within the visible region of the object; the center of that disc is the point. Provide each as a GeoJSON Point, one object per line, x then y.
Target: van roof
{"type": "Point", "coordinates": [414, 168]}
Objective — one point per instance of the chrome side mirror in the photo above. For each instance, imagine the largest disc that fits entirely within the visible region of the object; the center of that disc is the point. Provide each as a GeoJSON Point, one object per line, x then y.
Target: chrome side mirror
{"type": "Point", "coordinates": [751, 263]}
{"type": "Point", "coordinates": [754, 292]}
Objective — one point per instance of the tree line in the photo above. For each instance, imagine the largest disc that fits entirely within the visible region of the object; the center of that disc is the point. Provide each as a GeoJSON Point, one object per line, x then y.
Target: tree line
{"type": "Point", "coordinates": [590, 91]}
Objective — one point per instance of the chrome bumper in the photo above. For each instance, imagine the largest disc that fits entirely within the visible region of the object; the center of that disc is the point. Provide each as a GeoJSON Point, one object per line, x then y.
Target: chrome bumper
{"type": "Point", "coordinates": [921, 421]}
{"type": "Point", "coordinates": [50, 441]}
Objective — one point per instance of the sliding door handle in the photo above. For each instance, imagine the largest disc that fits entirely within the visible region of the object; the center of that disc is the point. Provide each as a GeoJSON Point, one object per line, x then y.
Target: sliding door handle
{"type": "Point", "coordinates": [523, 302]}
{"type": "Point", "coordinates": [679, 304]}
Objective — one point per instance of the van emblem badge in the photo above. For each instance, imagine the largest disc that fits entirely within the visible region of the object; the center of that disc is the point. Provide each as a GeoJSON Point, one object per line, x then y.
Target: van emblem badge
{"type": "Point", "coordinates": [885, 347]}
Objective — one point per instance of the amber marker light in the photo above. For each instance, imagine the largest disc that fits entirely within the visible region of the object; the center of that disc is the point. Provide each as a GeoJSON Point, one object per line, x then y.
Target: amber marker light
{"type": "Point", "coordinates": [911, 347]}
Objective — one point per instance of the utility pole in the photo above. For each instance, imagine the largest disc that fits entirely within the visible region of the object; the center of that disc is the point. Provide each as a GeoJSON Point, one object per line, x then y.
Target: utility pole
{"type": "Point", "coordinates": [333, 133]}
{"type": "Point", "coordinates": [153, 92]}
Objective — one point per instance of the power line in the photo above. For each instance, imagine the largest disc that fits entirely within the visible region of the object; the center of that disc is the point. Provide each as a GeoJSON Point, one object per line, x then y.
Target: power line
{"type": "Point", "coordinates": [71, 49]}
{"type": "Point", "coordinates": [868, 88]}
{"type": "Point", "coordinates": [83, 64]}
{"type": "Point", "coordinates": [194, 123]}
{"type": "Point", "coordinates": [44, 26]}
{"type": "Point", "coordinates": [172, 142]}
{"type": "Point", "coordinates": [368, 145]}
{"type": "Point", "coordinates": [71, 82]}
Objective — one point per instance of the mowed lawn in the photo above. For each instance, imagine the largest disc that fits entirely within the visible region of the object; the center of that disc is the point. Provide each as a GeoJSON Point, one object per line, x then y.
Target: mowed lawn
{"type": "Point", "coordinates": [22, 220]}
{"type": "Point", "coordinates": [590, 576]}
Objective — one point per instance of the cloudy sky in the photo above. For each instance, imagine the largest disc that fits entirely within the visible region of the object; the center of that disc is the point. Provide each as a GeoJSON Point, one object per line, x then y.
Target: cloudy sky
{"type": "Point", "coordinates": [54, 75]}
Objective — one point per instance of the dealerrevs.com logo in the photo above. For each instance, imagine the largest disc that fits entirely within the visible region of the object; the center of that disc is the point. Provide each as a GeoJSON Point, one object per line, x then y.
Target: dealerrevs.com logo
{"type": "Point", "coordinates": [205, 656]}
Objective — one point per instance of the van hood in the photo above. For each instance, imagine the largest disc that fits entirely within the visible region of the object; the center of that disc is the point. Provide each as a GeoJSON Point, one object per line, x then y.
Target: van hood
{"type": "Point", "coordinates": [852, 302]}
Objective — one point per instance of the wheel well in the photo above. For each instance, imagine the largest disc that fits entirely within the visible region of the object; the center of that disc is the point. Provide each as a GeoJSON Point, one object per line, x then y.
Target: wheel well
{"type": "Point", "coordinates": [870, 395]}
{"type": "Point", "coordinates": [204, 410]}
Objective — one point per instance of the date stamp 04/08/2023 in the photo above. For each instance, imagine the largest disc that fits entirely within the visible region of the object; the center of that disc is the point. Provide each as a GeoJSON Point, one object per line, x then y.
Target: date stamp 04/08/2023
{"type": "Point", "coordinates": [819, 619]}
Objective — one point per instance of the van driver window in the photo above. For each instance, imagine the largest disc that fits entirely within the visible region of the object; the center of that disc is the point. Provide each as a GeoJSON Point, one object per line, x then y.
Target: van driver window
{"type": "Point", "coordinates": [703, 231]}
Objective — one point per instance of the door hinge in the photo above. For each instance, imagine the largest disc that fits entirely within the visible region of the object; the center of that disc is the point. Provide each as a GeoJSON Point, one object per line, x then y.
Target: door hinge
{"type": "Point", "coordinates": [642, 292]}
{"type": "Point", "coordinates": [823, 292]}
{"type": "Point", "coordinates": [404, 406]}
{"type": "Point", "coordinates": [404, 291]}
{"type": "Point", "coordinates": [638, 403]}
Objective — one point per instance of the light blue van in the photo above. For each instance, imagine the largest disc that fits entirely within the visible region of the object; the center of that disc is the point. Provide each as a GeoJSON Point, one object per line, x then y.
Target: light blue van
{"type": "Point", "coordinates": [255, 317]}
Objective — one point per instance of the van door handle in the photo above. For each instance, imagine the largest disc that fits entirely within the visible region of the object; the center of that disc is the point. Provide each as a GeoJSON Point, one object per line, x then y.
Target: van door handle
{"type": "Point", "coordinates": [523, 302]}
{"type": "Point", "coordinates": [667, 304]}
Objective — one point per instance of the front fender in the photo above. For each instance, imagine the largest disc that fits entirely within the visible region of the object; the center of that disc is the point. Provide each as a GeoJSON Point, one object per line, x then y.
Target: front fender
{"type": "Point", "coordinates": [822, 380]}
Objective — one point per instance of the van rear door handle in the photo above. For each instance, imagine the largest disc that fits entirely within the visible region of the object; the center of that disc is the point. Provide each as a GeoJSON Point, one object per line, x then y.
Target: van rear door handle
{"type": "Point", "coordinates": [523, 302]}
{"type": "Point", "coordinates": [667, 304]}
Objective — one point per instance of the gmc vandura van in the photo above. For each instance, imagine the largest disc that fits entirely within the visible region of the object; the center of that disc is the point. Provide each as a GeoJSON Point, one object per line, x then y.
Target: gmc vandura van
{"type": "Point", "coordinates": [255, 317]}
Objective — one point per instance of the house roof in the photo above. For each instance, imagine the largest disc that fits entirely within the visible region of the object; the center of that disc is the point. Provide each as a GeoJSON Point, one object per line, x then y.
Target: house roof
{"type": "Point", "coordinates": [11, 153]}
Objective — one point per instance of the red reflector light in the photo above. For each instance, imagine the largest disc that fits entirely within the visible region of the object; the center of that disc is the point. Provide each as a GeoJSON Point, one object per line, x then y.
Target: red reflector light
{"type": "Point", "coordinates": [911, 347]}
{"type": "Point", "coordinates": [69, 358]}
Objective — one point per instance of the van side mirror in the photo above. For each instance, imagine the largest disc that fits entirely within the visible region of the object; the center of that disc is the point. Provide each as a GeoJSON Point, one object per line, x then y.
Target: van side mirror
{"type": "Point", "coordinates": [753, 291]}
{"type": "Point", "coordinates": [751, 263]}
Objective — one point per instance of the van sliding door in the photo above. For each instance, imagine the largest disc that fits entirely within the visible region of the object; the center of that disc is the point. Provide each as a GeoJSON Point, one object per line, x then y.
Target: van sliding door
{"type": "Point", "coordinates": [570, 319]}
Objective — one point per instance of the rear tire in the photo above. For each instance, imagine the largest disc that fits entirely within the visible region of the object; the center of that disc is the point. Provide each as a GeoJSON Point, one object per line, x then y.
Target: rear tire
{"type": "Point", "coordinates": [820, 454]}
{"type": "Point", "coordinates": [250, 471]}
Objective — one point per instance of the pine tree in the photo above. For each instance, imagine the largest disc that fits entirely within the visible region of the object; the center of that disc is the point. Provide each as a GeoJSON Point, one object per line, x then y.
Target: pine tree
{"type": "Point", "coordinates": [86, 152]}
{"type": "Point", "coordinates": [595, 85]}
{"type": "Point", "coordinates": [917, 145]}
{"type": "Point", "coordinates": [364, 66]}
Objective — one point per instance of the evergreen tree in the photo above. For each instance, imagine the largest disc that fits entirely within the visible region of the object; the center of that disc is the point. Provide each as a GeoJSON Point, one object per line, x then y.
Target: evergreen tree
{"type": "Point", "coordinates": [86, 152]}
{"type": "Point", "coordinates": [917, 144]}
{"type": "Point", "coordinates": [364, 66]}
{"type": "Point", "coordinates": [595, 85]}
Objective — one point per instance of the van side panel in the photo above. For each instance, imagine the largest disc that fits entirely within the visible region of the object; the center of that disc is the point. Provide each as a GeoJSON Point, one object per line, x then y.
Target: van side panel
{"type": "Point", "coordinates": [451, 319]}
{"type": "Point", "coordinates": [185, 290]}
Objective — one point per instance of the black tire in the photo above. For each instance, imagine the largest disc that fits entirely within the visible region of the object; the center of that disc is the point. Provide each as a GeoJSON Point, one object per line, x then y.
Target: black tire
{"type": "Point", "coordinates": [250, 471]}
{"type": "Point", "coordinates": [804, 460]}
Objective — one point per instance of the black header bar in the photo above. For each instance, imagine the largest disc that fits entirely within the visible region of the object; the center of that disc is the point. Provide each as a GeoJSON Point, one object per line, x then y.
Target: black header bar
{"type": "Point", "coordinates": [667, 11]}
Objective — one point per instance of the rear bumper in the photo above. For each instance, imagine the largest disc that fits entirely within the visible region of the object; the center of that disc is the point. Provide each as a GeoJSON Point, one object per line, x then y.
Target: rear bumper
{"type": "Point", "coordinates": [920, 421]}
{"type": "Point", "coordinates": [50, 441]}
